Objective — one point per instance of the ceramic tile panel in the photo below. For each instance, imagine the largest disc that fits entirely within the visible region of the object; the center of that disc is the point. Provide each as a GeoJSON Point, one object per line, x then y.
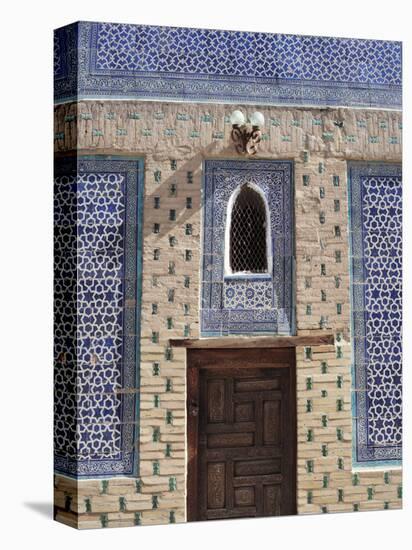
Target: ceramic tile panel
{"type": "Point", "coordinates": [376, 251]}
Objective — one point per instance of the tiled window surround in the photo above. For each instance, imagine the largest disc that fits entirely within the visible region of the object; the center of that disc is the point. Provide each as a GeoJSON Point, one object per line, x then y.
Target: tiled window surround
{"type": "Point", "coordinates": [255, 303]}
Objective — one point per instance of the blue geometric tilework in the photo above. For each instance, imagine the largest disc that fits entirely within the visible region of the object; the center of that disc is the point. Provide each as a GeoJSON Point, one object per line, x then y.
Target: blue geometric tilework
{"type": "Point", "coordinates": [248, 304]}
{"type": "Point", "coordinates": [376, 248]}
{"type": "Point", "coordinates": [97, 314]}
{"type": "Point", "coordinates": [148, 62]}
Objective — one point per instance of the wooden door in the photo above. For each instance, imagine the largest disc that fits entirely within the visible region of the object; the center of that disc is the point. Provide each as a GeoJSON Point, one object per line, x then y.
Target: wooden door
{"type": "Point", "coordinates": [241, 433]}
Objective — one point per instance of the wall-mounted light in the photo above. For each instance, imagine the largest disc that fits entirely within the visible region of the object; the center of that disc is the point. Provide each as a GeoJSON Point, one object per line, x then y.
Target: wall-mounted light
{"type": "Point", "coordinates": [246, 136]}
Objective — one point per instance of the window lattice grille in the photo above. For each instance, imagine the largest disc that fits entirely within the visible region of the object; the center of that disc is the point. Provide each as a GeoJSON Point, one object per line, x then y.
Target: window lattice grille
{"type": "Point", "coordinates": [248, 233]}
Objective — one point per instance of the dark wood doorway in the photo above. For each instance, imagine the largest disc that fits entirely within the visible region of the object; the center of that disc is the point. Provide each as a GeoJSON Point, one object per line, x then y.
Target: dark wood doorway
{"type": "Point", "coordinates": [241, 426]}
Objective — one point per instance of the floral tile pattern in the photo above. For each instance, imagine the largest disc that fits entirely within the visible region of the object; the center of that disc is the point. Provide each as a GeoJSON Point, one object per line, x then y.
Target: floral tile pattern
{"type": "Point", "coordinates": [245, 305]}
{"type": "Point", "coordinates": [376, 235]}
{"type": "Point", "coordinates": [137, 61]}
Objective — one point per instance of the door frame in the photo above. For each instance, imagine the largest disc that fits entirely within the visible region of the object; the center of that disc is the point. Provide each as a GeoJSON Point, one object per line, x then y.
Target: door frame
{"type": "Point", "coordinates": [196, 361]}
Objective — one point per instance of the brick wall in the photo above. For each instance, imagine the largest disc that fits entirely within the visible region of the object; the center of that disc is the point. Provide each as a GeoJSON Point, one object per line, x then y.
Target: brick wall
{"type": "Point", "coordinates": [320, 145]}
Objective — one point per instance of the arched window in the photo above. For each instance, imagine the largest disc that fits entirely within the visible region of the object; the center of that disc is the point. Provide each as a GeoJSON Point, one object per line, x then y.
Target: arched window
{"type": "Point", "coordinates": [248, 238]}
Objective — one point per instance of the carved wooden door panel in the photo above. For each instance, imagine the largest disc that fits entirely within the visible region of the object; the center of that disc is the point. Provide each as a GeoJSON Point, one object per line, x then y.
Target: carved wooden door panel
{"type": "Point", "coordinates": [241, 433]}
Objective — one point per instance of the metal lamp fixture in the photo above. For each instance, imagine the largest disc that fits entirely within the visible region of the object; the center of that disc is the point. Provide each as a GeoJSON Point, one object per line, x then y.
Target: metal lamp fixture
{"type": "Point", "coordinates": [246, 136]}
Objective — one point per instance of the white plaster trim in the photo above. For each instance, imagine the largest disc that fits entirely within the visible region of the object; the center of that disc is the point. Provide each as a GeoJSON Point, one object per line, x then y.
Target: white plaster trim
{"type": "Point", "coordinates": [246, 274]}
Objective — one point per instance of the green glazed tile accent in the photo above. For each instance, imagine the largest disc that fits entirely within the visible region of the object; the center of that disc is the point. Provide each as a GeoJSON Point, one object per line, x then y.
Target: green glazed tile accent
{"type": "Point", "coordinates": [339, 405]}
{"type": "Point", "coordinates": [156, 401]}
{"type": "Point", "coordinates": [317, 122]}
{"type": "Point", "coordinates": [383, 124]}
{"type": "Point", "coordinates": [309, 435]}
{"type": "Point", "coordinates": [322, 217]}
{"type": "Point", "coordinates": [85, 116]}
{"type": "Point", "coordinates": [308, 282]}
{"type": "Point", "coordinates": [146, 132]}
{"type": "Point", "coordinates": [310, 466]}
{"type": "Point", "coordinates": [68, 503]}
{"type": "Point", "coordinates": [186, 281]}
{"type": "Point", "coordinates": [336, 205]}
{"type": "Point", "coordinates": [309, 497]}
{"type": "Point", "coordinates": [323, 296]}
{"type": "Point", "coordinates": [275, 122]}
{"type": "Point", "coordinates": [218, 135]}
{"type": "Point", "coordinates": [169, 323]}
{"type": "Point", "coordinates": [194, 134]}
{"type": "Point", "coordinates": [323, 270]}
{"type": "Point", "coordinates": [69, 118]}
{"type": "Point", "coordinates": [168, 353]}
{"type": "Point", "coordinates": [286, 138]}
{"type": "Point", "coordinates": [157, 176]}
{"type": "Point", "coordinates": [340, 464]}
{"type": "Point", "coordinates": [327, 136]}
{"type": "Point", "coordinates": [386, 505]}
{"type": "Point", "coordinates": [133, 115]}
{"type": "Point", "coordinates": [305, 156]}
{"type": "Point", "coordinates": [158, 115]}
{"type": "Point", "coordinates": [156, 468]}
{"type": "Point", "coordinates": [355, 479]}
{"type": "Point", "coordinates": [339, 381]}
{"type": "Point", "coordinates": [155, 502]}
{"type": "Point", "coordinates": [338, 256]}
{"type": "Point", "coordinates": [169, 132]}
{"type": "Point", "coordinates": [323, 393]}
{"type": "Point", "coordinates": [156, 254]}
{"type": "Point", "coordinates": [137, 518]}
{"type": "Point", "coordinates": [309, 383]}
{"type": "Point", "coordinates": [105, 486]}
{"type": "Point", "coordinates": [172, 517]}
{"type": "Point", "coordinates": [337, 281]}
{"type": "Point", "coordinates": [323, 321]}
{"type": "Point", "coordinates": [88, 505]}
{"type": "Point", "coordinates": [172, 215]}
{"type": "Point", "coordinates": [321, 192]}
{"type": "Point", "coordinates": [393, 140]}
{"type": "Point", "coordinates": [324, 367]}
{"type": "Point", "coordinates": [361, 123]}
{"type": "Point", "coordinates": [339, 309]}
{"type": "Point", "coordinates": [308, 352]}
{"type": "Point", "coordinates": [308, 309]}
{"type": "Point", "coordinates": [186, 309]}
{"type": "Point", "coordinates": [188, 202]}
{"type": "Point", "coordinates": [309, 406]}
{"type": "Point", "coordinates": [337, 231]}
{"type": "Point", "coordinates": [104, 520]}
{"type": "Point", "coordinates": [172, 484]}
{"type": "Point", "coordinates": [155, 280]}
{"type": "Point", "coordinates": [335, 180]}
{"type": "Point", "coordinates": [386, 478]}
{"type": "Point", "coordinates": [155, 337]}
{"type": "Point", "coordinates": [173, 164]}
{"type": "Point", "coordinates": [325, 451]}
{"type": "Point", "coordinates": [371, 493]}
{"type": "Point", "coordinates": [295, 123]}
{"type": "Point", "coordinates": [156, 369]}
{"type": "Point", "coordinates": [188, 229]}
{"type": "Point", "coordinates": [324, 420]}
{"type": "Point", "coordinates": [186, 331]}
{"type": "Point", "coordinates": [374, 139]}
{"type": "Point", "coordinates": [172, 268]}
{"type": "Point", "coordinates": [183, 117]}
{"type": "Point", "coordinates": [306, 180]}
{"type": "Point", "coordinates": [350, 139]}
{"type": "Point", "coordinates": [173, 190]}
{"type": "Point", "coordinates": [321, 168]}
{"type": "Point", "coordinates": [168, 450]}
{"type": "Point", "coordinates": [156, 202]}
{"type": "Point", "coordinates": [121, 132]}
{"type": "Point", "coordinates": [59, 135]}
{"type": "Point", "coordinates": [189, 176]}
{"type": "Point", "coordinates": [110, 116]}
{"type": "Point", "coordinates": [188, 255]}
{"type": "Point", "coordinates": [122, 504]}
{"type": "Point", "coordinates": [356, 507]}
{"type": "Point", "coordinates": [139, 485]}
{"type": "Point", "coordinates": [399, 491]}
{"type": "Point", "coordinates": [154, 309]}
{"type": "Point", "coordinates": [171, 295]}
{"type": "Point", "coordinates": [156, 228]}
{"type": "Point", "coordinates": [169, 417]}
{"type": "Point", "coordinates": [168, 384]}
{"type": "Point", "coordinates": [206, 118]}
{"type": "Point", "coordinates": [324, 509]}
{"type": "Point", "coordinates": [156, 434]}
{"type": "Point", "coordinates": [325, 481]}
{"type": "Point", "coordinates": [339, 434]}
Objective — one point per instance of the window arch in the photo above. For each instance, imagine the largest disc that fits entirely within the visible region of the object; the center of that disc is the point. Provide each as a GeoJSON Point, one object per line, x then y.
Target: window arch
{"type": "Point", "coordinates": [248, 239]}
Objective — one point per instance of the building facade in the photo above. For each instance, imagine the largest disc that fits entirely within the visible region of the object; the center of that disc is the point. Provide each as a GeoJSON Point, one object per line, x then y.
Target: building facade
{"type": "Point", "coordinates": [227, 325]}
